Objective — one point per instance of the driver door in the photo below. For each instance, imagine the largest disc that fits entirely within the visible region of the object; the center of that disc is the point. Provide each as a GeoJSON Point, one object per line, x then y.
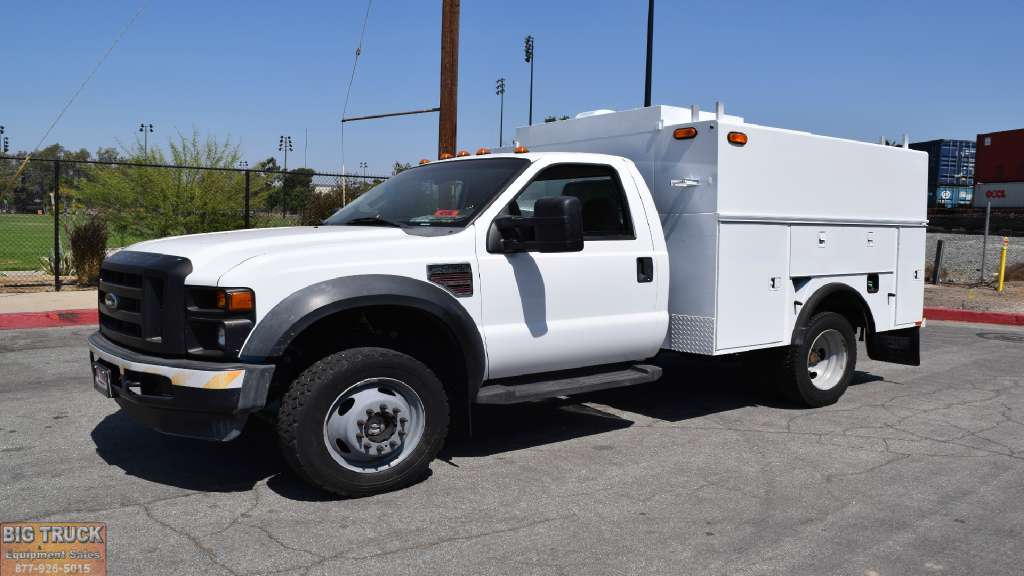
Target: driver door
{"type": "Point", "coordinates": [553, 311]}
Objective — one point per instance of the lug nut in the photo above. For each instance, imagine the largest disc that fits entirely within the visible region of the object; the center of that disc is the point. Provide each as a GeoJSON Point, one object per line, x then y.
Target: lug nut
{"type": "Point", "coordinates": [366, 446]}
{"type": "Point", "coordinates": [360, 423]}
{"type": "Point", "coordinates": [403, 420]}
{"type": "Point", "coordinates": [392, 443]}
{"type": "Point", "coordinates": [359, 436]}
{"type": "Point", "coordinates": [397, 410]}
{"type": "Point", "coordinates": [369, 412]}
{"type": "Point", "coordinates": [401, 433]}
{"type": "Point", "coordinates": [383, 407]}
{"type": "Point", "coordinates": [380, 449]}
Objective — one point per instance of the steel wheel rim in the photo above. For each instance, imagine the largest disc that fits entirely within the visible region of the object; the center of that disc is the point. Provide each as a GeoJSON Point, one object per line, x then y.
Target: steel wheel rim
{"type": "Point", "coordinates": [374, 424]}
{"type": "Point", "coordinates": [826, 359]}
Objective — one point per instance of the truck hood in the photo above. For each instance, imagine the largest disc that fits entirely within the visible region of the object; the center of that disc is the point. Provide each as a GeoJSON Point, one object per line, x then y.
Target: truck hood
{"type": "Point", "coordinates": [214, 254]}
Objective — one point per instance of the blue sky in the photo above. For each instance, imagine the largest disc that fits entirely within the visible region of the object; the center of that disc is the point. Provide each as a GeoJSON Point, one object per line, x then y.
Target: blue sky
{"type": "Point", "coordinates": [255, 70]}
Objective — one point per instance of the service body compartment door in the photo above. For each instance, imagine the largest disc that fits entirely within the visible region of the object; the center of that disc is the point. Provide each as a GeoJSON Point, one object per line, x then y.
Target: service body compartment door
{"type": "Point", "coordinates": [910, 276]}
{"type": "Point", "coordinates": [752, 284]}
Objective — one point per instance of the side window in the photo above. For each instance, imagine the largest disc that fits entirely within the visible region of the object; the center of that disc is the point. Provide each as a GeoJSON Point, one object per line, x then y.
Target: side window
{"type": "Point", "coordinates": [605, 213]}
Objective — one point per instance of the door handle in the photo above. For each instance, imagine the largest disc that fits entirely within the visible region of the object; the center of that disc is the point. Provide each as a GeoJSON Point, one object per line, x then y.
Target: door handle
{"type": "Point", "coordinates": [644, 269]}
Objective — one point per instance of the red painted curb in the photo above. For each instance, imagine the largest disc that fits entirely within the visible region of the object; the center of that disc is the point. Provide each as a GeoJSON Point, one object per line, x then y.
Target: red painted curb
{"type": "Point", "coordinates": [21, 320]}
{"type": "Point", "coordinates": [955, 315]}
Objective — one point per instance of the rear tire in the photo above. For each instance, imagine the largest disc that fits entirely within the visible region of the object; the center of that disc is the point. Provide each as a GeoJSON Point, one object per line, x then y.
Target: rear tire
{"type": "Point", "coordinates": [363, 421]}
{"type": "Point", "coordinates": [817, 372]}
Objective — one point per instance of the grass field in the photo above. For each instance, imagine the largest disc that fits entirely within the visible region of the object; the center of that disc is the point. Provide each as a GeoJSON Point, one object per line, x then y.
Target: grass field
{"type": "Point", "coordinates": [24, 239]}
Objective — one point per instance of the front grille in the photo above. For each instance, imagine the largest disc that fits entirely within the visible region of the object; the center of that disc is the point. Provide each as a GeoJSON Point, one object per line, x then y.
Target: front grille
{"type": "Point", "coordinates": [142, 301]}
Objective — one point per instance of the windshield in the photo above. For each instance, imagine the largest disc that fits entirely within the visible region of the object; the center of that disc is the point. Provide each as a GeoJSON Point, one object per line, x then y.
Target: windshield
{"type": "Point", "coordinates": [445, 194]}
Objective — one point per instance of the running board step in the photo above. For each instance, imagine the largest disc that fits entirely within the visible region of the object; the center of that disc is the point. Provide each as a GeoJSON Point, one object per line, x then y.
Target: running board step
{"type": "Point", "coordinates": [538, 390]}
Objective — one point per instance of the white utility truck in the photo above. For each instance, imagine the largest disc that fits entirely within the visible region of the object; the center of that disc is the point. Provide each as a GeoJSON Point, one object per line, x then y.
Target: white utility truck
{"type": "Point", "coordinates": [562, 267]}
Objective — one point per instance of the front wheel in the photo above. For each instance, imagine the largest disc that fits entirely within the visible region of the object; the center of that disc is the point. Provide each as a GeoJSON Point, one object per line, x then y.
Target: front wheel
{"type": "Point", "coordinates": [817, 371]}
{"type": "Point", "coordinates": [363, 421]}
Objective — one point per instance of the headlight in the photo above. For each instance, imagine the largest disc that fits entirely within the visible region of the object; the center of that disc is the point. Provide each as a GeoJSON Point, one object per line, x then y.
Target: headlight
{"type": "Point", "coordinates": [218, 320]}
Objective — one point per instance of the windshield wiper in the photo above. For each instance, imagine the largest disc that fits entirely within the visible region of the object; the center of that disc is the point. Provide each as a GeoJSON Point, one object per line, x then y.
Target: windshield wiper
{"type": "Point", "coordinates": [372, 221]}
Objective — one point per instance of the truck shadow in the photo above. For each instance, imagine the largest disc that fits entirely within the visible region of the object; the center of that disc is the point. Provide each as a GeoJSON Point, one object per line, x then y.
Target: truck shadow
{"type": "Point", "coordinates": [186, 463]}
{"type": "Point", "coordinates": [690, 388]}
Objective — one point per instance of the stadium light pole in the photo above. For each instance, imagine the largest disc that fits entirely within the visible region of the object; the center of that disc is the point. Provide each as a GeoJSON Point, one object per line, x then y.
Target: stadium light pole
{"type": "Point", "coordinates": [500, 91]}
{"type": "Point", "coordinates": [528, 52]}
{"type": "Point", "coordinates": [146, 130]}
{"type": "Point", "coordinates": [284, 144]}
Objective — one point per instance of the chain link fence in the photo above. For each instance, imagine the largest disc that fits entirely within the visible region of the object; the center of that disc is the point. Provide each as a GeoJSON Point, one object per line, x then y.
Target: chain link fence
{"type": "Point", "coordinates": [43, 202]}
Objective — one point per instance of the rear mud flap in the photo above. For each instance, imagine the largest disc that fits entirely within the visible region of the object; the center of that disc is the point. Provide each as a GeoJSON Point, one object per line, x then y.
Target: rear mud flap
{"type": "Point", "coordinates": [896, 346]}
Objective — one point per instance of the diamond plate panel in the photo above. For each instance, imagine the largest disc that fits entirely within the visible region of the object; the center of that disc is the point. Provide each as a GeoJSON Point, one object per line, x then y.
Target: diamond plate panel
{"type": "Point", "coordinates": [693, 334]}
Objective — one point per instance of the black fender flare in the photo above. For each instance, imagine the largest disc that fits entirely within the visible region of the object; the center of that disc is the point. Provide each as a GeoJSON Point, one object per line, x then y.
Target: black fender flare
{"type": "Point", "coordinates": [285, 321]}
{"type": "Point", "coordinates": [808, 308]}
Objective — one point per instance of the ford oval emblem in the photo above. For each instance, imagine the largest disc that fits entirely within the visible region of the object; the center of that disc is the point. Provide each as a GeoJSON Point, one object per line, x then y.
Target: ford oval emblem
{"type": "Point", "coordinates": [111, 301]}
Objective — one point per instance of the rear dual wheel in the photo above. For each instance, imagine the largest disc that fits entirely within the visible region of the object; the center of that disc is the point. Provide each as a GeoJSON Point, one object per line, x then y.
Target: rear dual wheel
{"type": "Point", "coordinates": [363, 421]}
{"type": "Point", "coordinates": [817, 371]}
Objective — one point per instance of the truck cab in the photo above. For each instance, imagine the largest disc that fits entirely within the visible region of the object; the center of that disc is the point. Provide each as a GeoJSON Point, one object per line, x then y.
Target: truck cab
{"type": "Point", "coordinates": [512, 277]}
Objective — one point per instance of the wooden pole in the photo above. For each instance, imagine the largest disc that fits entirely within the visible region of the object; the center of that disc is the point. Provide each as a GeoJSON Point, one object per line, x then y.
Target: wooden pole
{"type": "Point", "coordinates": [446, 132]}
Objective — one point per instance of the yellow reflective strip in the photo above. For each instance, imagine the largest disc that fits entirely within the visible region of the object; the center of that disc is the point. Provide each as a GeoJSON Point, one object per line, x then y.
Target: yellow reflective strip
{"type": "Point", "coordinates": [222, 380]}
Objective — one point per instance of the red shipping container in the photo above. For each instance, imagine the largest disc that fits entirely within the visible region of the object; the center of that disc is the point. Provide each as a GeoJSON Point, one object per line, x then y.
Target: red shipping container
{"type": "Point", "coordinates": [1000, 157]}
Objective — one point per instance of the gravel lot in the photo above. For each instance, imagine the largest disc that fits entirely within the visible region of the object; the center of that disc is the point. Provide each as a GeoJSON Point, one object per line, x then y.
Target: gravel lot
{"type": "Point", "coordinates": [961, 255]}
{"type": "Point", "coordinates": [914, 471]}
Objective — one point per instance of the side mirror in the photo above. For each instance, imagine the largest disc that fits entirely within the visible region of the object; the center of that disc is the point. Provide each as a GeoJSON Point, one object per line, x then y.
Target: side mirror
{"type": "Point", "coordinates": [556, 226]}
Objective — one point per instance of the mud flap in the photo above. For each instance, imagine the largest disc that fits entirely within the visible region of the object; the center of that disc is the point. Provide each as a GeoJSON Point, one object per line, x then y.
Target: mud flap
{"type": "Point", "coordinates": [896, 346]}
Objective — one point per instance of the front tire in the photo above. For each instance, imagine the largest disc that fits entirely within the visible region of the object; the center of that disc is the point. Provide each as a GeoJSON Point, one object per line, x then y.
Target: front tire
{"type": "Point", "coordinates": [817, 372]}
{"type": "Point", "coordinates": [363, 421]}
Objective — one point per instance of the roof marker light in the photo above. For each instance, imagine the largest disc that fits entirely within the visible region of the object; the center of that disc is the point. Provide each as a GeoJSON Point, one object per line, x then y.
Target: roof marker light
{"type": "Point", "coordinates": [462, 153]}
{"type": "Point", "coordinates": [737, 138]}
{"type": "Point", "coordinates": [481, 151]}
{"type": "Point", "coordinates": [444, 156]}
{"type": "Point", "coordinates": [684, 133]}
{"type": "Point", "coordinates": [424, 161]}
{"type": "Point", "coordinates": [520, 149]}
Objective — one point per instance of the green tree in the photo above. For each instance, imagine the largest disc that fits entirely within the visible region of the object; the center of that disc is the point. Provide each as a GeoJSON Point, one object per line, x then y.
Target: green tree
{"type": "Point", "coordinates": [145, 202]}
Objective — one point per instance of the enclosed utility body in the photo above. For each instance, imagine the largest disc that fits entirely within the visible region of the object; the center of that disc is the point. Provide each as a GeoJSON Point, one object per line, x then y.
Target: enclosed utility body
{"type": "Point", "coordinates": [759, 220]}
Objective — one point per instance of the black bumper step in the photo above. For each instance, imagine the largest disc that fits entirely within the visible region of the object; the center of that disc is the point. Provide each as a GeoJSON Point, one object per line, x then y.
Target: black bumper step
{"type": "Point", "coordinates": [528, 391]}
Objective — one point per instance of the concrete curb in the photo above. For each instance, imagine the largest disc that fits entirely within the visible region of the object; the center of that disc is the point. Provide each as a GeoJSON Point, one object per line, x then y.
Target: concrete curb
{"type": "Point", "coordinates": [24, 320]}
{"type": "Point", "coordinates": [954, 315]}
{"type": "Point", "coordinates": [54, 318]}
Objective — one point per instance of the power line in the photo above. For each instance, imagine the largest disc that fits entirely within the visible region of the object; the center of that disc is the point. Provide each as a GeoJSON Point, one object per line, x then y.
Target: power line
{"type": "Point", "coordinates": [81, 87]}
{"type": "Point", "coordinates": [351, 79]}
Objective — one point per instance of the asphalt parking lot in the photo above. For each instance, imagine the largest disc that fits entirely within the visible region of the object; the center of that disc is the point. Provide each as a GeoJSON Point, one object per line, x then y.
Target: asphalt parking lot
{"type": "Point", "coordinates": [914, 471]}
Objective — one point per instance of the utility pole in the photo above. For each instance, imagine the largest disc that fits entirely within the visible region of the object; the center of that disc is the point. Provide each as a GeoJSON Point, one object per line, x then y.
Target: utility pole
{"type": "Point", "coordinates": [500, 91]}
{"type": "Point", "coordinates": [528, 49]}
{"type": "Point", "coordinates": [146, 130]}
{"type": "Point", "coordinates": [448, 118]}
{"type": "Point", "coordinates": [5, 143]}
{"type": "Point", "coordinates": [650, 52]}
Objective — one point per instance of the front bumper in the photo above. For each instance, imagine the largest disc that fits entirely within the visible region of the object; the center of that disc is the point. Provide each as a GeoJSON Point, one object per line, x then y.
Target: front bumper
{"type": "Point", "coordinates": [207, 400]}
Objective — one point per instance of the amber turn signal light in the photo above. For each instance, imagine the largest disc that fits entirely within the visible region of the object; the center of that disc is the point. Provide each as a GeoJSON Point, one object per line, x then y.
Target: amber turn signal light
{"type": "Point", "coordinates": [235, 300]}
{"type": "Point", "coordinates": [684, 133]}
{"type": "Point", "coordinates": [737, 138]}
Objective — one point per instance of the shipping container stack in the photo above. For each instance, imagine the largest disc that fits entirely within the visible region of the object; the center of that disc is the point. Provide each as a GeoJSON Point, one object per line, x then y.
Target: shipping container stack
{"type": "Point", "coordinates": [1000, 169]}
{"type": "Point", "coordinates": [950, 172]}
